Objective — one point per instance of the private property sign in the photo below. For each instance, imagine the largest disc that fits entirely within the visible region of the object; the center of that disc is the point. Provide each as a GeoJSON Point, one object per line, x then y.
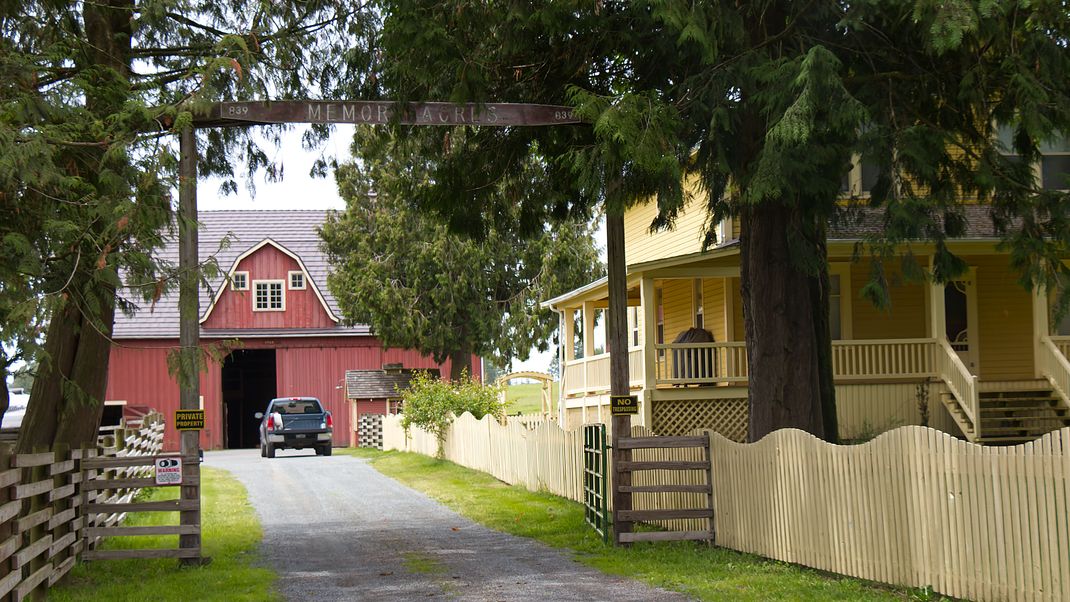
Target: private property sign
{"type": "Point", "coordinates": [189, 420]}
{"type": "Point", "coordinates": [385, 112]}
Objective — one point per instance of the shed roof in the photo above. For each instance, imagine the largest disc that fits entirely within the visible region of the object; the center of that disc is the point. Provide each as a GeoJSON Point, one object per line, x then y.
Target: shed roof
{"type": "Point", "coordinates": [296, 230]}
{"type": "Point", "coordinates": [378, 384]}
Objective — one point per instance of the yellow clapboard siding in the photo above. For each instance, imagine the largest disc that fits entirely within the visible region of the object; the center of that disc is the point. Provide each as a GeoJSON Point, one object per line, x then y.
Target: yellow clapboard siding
{"type": "Point", "coordinates": [737, 309]}
{"type": "Point", "coordinates": [713, 307]}
{"type": "Point", "coordinates": [677, 299]}
{"type": "Point", "coordinates": [904, 320]}
{"type": "Point", "coordinates": [685, 237]}
{"type": "Point", "coordinates": [1005, 320]}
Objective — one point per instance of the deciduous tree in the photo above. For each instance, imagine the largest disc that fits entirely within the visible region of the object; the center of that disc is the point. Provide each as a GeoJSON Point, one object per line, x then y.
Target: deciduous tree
{"type": "Point", "coordinates": [448, 294]}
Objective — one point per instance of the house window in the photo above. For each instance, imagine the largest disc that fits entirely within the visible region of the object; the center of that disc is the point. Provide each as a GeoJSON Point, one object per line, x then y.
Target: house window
{"type": "Point", "coordinates": [394, 407]}
{"type": "Point", "coordinates": [861, 178]}
{"type": "Point", "coordinates": [840, 301]}
{"type": "Point", "coordinates": [660, 332]}
{"type": "Point", "coordinates": [835, 324]}
{"type": "Point", "coordinates": [240, 281]}
{"type": "Point", "coordinates": [297, 281]}
{"type": "Point", "coordinates": [1053, 170]}
{"type": "Point", "coordinates": [696, 287]}
{"type": "Point", "coordinates": [1055, 164]}
{"type": "Point", "coordinates": [269, 295]}
{"type": "Point", "coordinates": [634, 315]}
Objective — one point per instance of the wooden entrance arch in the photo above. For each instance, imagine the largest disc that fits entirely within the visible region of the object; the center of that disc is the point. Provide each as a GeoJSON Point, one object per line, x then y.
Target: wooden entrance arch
{"type": "Point", "coordinates": [548, 407]}
{"type": "Point", "coordinates": [243, 114]}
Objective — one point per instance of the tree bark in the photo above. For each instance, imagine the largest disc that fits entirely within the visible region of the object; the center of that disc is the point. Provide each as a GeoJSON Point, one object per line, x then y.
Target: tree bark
{"type": "Point", "coordinates": [780, 301]}
{"type": "Point", "coordinates": [460, 364]}
{"type": "Point", "coordinates": [66, 400]}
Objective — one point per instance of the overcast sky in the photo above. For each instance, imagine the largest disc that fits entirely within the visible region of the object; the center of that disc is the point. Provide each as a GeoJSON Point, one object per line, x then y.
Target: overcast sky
{"type": "Point", "coordinates": [300, 191]}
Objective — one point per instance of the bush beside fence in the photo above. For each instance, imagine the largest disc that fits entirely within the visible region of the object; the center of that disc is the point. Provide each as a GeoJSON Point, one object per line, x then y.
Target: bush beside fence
{"type": "Point", "coordinates": [914, 507]}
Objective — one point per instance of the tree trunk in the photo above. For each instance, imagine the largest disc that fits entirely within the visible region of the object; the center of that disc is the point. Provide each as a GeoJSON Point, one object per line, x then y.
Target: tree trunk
{"type": "Point", "coordinates": [67, 398]}
{"type": "Point", "coordinates": [780, 300]}
{"type": "Point", "coordinates": [460, 364]}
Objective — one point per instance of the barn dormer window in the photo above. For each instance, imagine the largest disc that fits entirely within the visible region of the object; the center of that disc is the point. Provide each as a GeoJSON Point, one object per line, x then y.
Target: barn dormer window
{"type": "Point", "coordinates": [269, 295]}
{"type": "Point", "coordinates": [240, 281]}
{"type": "Point", "coordinates": [297, 281]}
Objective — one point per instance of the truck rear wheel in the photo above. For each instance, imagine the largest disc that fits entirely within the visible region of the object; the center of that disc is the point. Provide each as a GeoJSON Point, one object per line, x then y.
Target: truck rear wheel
{"type": "Point", "coordinates": [271, 450]}
{"type": "Point", "coordinates": [325, 450]}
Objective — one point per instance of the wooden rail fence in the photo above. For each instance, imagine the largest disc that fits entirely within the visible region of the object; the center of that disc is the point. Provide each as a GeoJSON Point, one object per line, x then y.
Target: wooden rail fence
{"type": "Point", "coordinates": [914, 507]}
{"type": "Point", "coordinates": [56, 506]}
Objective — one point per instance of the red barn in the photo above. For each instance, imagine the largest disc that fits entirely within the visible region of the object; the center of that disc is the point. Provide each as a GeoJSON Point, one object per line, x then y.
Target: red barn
{"type": "Point", "coordinates": [276, 306]}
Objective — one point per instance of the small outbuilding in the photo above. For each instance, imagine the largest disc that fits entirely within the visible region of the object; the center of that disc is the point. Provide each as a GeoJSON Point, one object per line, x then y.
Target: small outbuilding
{"type": "Point", "coordinates": [377, 393]}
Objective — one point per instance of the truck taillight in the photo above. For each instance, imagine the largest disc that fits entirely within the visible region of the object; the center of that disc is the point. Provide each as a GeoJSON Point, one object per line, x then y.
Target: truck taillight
{"type": "Point", "coordinates": [271, 423]}
{"type": "Point", "coordinates": [330, 422]}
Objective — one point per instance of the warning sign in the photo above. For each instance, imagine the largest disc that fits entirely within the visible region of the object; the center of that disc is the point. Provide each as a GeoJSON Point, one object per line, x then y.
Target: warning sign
{"type": "Point", "coordinates": [622, 405]}
{"type": "Point", "coordinates": [189, 420]}
{"type": "Point", "coordinates": [168, 471]}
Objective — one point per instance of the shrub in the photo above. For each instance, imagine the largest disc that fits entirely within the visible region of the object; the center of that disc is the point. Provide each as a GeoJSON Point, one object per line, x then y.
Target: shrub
{"type": "Point", "coordinates": [431, 404]}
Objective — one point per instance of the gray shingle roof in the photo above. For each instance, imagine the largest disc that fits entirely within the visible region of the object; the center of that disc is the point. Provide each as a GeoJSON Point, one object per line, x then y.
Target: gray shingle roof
{"type": "Point", "coordinates": [859, 222]}
{"type": "Point", "coordinates": [295, 230]}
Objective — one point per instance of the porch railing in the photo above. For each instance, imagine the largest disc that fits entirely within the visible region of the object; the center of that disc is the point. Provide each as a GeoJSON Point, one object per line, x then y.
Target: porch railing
{"type": "Point", "coordinates": [884, 359]}
{"type": "Point", "coordinates": [701, 363]}
{"type": "Point", "coordinates": [591, 374]}
{"type": "Point", "coordinates": [1054, 365]}
{"type": "Point", "coordinates": [960, 382]}
{"type": "Point", "coordinates": [1062, 343]}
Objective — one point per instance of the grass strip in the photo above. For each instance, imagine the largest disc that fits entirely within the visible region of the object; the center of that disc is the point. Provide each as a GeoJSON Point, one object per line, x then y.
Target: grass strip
{"type": "Point", "coordinates": [696, 569]}
{"type": "Point", "coordinates": [230, 536]}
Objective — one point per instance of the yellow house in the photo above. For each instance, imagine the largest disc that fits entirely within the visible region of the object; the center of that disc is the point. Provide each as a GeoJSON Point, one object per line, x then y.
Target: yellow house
{"type": "Point", "coordinates": [977, 358]}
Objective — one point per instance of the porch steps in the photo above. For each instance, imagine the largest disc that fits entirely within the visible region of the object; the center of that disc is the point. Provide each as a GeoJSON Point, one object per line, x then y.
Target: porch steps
{"type": "Point", "coordinates": [958, 415]}
{"type": "Point", "coordinates": [1013, 417]}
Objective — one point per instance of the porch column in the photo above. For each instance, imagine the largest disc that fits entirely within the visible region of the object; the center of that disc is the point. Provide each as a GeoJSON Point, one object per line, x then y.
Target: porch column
{"type": "Point", "coordinates": [937, 323]}
{"type": "Point", "coordinates": [650, 354]}
{"type": "Point", "coordinates": [569, 330]}
{"type": "Point", "coordinates": [588, 329]}
{"type": "Point", "coordinates": [1041, 327]}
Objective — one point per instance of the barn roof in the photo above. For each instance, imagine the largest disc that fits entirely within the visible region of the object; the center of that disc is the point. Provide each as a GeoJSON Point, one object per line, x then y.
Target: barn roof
{"type": "Point", "coordinates": [296, 230]}
{"type": "Point", "coordinates": [377, 384]}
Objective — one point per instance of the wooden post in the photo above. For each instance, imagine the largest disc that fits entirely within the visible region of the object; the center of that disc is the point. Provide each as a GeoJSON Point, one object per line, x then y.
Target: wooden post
{"type": "Point", "coordinates": [650, 353]}
{"type": "Point", "coordinates": [617, 341]}
{"type": "Point", "coordinates": [1041, 327]}
{"type": "Point", "coordinates": [189, 332]}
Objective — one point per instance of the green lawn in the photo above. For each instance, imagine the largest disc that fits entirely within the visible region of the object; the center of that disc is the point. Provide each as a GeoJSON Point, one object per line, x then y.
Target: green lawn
{"type": "Point", "coordinates": [231, 534]}
{"type": "Point", "coordinates": [525, 398]}
{"type": "Point", "coordinates": [694, 568]}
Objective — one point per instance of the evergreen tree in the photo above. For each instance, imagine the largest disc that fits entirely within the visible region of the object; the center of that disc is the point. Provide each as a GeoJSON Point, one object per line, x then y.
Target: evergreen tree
{"type": "Point", "coordinates": [419, 285]}
{"type": "Point", "coordinates": [765, 103]}
{"type": "Point", "coordinates": [90, 94]}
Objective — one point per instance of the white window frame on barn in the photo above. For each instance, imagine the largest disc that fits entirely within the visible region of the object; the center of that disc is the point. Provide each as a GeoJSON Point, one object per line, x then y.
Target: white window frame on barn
{"type": "Point", "coordinates": [268, 301]}
{"type": "Point", "coordinates": [290, 280]}
{"type": "Point", "coordinates": [240, 281]}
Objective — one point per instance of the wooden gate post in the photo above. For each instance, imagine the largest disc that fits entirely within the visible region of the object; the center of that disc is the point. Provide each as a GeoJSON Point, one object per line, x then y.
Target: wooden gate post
{"type": "Point", "coordinates": [617, 337]}
{"type": "Point", "coordinates": [189, 334]}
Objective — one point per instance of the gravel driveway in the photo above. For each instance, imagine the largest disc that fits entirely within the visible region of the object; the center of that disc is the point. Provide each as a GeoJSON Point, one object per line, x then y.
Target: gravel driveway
{"type": "Point", "coordinates": [336, 529]}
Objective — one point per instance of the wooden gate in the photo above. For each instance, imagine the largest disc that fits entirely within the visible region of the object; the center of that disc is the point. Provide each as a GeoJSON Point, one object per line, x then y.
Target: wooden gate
{"type": "Point", "coordinates": [658, 458]}
{"type": "Point", "coordinates": [595, 466]}
{"type": "Point", "coordinates": [109, 494]}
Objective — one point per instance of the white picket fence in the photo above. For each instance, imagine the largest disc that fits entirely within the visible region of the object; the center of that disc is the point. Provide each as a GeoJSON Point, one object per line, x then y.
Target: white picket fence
{"type": "Point", "coordinates": [914, 507]}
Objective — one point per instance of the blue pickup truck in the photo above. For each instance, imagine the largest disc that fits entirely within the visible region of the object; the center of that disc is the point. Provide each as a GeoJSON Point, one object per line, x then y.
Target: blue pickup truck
{"type": "Point", "coordinates": [295, 423]}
